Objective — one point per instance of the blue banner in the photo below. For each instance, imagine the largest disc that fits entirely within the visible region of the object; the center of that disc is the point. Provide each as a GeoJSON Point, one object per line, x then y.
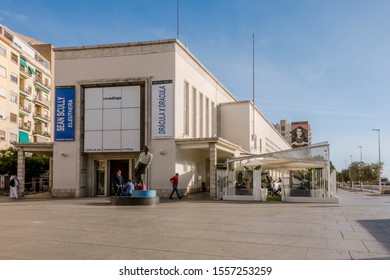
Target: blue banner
{"type": "Point", "coordinates": [64, 114]}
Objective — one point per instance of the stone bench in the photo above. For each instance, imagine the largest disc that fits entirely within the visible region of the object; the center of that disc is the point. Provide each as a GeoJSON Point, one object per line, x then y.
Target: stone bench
{"type": "Point", "coordinates": [139, 197]}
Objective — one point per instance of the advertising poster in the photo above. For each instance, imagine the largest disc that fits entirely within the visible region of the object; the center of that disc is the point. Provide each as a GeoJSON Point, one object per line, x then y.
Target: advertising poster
{"type": "Point", "coordinates": [299, 134]}
{"type": "Point", "coordinates": [162, 109]}
{"type": "Point", "coordinates": [112, 119]}
{"type": "Point", "coordinates": [64, 126]}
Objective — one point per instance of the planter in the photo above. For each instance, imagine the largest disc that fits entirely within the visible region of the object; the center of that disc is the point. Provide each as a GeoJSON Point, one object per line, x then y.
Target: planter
{"type": "Point", "coordinates": [300, 192]}
{"type": "Point", "coordinates": [316, 193]}
{"type": "Point", "coordinates": [242, 191]}
{"type": "Point", "coordinates": [264, 193]}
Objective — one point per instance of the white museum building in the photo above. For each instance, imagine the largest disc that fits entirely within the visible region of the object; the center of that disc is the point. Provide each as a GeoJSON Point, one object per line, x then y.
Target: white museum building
{"type": "Point", "coordinates": [111, 100]}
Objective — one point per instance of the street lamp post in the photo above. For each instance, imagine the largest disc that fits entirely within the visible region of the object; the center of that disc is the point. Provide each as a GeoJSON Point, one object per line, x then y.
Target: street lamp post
{"type": "Point", "coordinates": [379, 149]}
{"type": "Point", "coordinates": [361, 157]}
{"type": "Point", "coordinates": [350, 174]}
{"type": "Point", "coordinates": [359, 168]}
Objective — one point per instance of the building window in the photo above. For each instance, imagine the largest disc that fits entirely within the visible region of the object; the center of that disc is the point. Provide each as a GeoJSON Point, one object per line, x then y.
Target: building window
{"type": "Point", "coordinates": [2, 135]}
{"type": "Point", "coordinates": [213, 119]}
{"type": "Point", "coordinates": [14, 78]}
{"type": "Point", "coordinates": [2, 92]}
{"type": "Point", "coordinates": [13, 137]}
{"type": "Point", "coordinates": [14, 58]}
{"type": "Point", "coordinates": [186, 108]}
{"type": "Point", "coordinates": [201, 119]}
{"type": "Point", "coordinates": [14, 97]}
{"type": "Point", "coordinates": [2, 114]}
{"type": "Point", "coordinates": [207, 117]}
{"type": "Point", "coordinates": [3, 72]}
{"type": "Point", "coordinates": [3, 51]}
{"type": "Point", "coordinates": [194, 112]}
{"type": "Point", "coordinates": [13, 118]}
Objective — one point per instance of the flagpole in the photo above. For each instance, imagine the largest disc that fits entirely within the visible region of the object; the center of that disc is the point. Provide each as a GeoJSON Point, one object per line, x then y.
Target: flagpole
{"type": "Point", "coordinates": [253, 93]}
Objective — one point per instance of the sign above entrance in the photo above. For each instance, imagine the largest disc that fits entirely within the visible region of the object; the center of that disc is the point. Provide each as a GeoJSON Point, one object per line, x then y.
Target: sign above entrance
{"type": "Point", "coordinates": [162, 109]}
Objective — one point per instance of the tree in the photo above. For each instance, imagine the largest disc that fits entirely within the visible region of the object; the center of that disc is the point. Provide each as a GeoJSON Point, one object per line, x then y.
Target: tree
{"type": "Point", "coordinates": [343, 175]}
{"type": "Point", "coordinates": [8, 161]}
{"type": "Point", "coordinates": [365, 172]}
{"type": "Point", "coordinates": [36, 165]}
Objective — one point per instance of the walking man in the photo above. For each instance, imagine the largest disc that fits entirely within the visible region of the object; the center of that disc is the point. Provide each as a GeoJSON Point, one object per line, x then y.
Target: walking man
{"type": "Point", "coordinates": [118, 182]}
{"type": "Point", "coordinates": [13, 190]}
{"type": "Point", "coordinates": [175, 184]}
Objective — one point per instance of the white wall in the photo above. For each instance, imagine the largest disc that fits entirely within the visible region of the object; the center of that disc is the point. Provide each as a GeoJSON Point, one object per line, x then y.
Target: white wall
{"type": "Point", "coordinates": [188, 69]}
{"type": "Point", "coordinates": [237, 127]}
{"type": "Point", "coordinates": [235, 123]}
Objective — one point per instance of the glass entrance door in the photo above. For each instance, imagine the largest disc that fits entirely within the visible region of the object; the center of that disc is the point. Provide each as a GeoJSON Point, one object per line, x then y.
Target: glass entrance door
{"type": "Point", "coordinates": [100, 176]}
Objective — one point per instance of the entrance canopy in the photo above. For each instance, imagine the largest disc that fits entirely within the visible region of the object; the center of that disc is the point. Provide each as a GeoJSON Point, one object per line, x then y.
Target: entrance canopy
{"type": "Point", "coordinates": [314, 156]}
{"type": "Point", "coordinates": [36, 148]}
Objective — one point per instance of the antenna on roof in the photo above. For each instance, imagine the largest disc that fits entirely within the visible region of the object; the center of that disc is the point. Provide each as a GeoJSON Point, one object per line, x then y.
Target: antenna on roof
{"type": "Point", "coordinates": [253, 70]}
{"type": "Point", "coordinates": [254, 138]}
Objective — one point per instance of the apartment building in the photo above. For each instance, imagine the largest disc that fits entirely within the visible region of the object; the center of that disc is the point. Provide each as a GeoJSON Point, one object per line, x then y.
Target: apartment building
{"type": "Point", "coordinates": [26, 89]}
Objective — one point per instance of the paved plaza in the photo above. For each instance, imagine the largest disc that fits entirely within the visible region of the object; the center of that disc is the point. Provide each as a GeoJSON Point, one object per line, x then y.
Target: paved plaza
{"type": "Point", "coordinates": [196, 228]}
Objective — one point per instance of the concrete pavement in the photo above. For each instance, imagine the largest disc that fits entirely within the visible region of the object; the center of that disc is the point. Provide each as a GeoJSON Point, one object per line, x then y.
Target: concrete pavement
{"type": "Point", "coordinates": [196, 228]}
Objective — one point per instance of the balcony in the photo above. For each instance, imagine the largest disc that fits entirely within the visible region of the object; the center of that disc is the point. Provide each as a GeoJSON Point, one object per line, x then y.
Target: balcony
{"type": "Point", "coordinates": [25, 72]}
{"type": "Point", "coordinates": [42, 85]}
{"type": "Point", "coordinates": [43, 101]}
{"type": "Point", "coordinates": [25, 90]}
{"type": "Point", "coordinates": [41, 117]}
{"type": "Point", "coordinates": [25, 127]}
{"type": "Point", "coordinates": [25, 109]}
{"type": "Point", "coordinates": [40, 132]}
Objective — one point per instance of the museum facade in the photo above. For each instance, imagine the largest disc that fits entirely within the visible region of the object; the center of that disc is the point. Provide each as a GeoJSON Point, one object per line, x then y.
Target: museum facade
{"type": "Point", "coordinates": [111, 100]}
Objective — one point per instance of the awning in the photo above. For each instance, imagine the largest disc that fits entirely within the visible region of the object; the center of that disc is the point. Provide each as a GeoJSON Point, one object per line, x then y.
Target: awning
{"type": "Point", "coordinates": [23, 137]}
{"type": "Point", "coordinates": [23, 62]}
{"type": "Point", "coordinates": [313, 156]}
{"type": "Point", "coordinates": [42, 88]}
{"type": "Point", "coordinates": [32, 71]}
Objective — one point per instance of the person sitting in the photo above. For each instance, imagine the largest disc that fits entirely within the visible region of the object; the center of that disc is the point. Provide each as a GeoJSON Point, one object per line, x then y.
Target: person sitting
{"type": "Point", "coordinates": [128, 189]}
{"type": "Point", "coordinates": [277, 187]}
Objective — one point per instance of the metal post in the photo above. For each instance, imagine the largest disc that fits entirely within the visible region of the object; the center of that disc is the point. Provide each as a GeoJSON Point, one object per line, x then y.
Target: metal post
{"type": "Point", "coordinates": [379, 149]}
{"type": "Point", "coordinates": [350, 174]}
{"type": "Point", "coordinates": [359, 167]}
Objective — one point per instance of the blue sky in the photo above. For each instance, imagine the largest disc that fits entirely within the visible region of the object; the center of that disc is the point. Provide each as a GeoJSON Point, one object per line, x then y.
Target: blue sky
{"type": "Point", "coordinates": [326, 62]}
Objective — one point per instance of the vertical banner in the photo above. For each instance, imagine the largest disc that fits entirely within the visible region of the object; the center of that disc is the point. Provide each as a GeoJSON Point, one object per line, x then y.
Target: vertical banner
{"type": "Point", "coordinates": [162, 109]}
{"type": "Point", "coordinates": [64, 114]}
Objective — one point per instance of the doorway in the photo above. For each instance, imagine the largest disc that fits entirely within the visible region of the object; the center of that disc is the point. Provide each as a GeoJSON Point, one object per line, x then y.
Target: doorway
{"type": "Point", "coordinates": [100, 167]}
